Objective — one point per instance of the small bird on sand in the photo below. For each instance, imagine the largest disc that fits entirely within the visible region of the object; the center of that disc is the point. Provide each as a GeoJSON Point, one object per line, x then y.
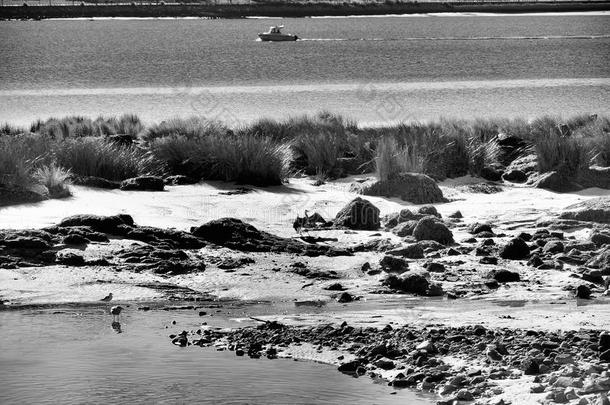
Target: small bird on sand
{"type": "Point", "coordinates": [107, 298]}
{"type": "Point", "coordinates": [300, 222]}
{"type": "Point", "coordinates": [116, 312]}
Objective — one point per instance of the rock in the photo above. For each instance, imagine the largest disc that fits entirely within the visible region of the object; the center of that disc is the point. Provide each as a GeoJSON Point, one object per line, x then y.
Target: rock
{"type": "Point", "coordinates": [594, 176]}
{"type": "Point", "coordinates": [431, 228]}
{"type": "Point", "coordinates": [489, 260]}
{"type": "Point", "coordinates": [95, 182]}
{"type": "Point", "coordinates": [553, 246]}
{"type": "Point", "coordinates": [593, 276]}
{"type": "Point", "coordinates": [456, 215]}
{"type": "Point", "coordinates": [19, 195]}
{"type": "Point", "coordinates": [413, 187]}
{"type": "Point", "coordinates": [515, 249]}
{"type": "Point", "coordinates": [526, 164]}
{"type": "Point", "coordinates": [514, 176]}
{"type": "Point", "coordinates": [428, 210]}
{"type": "Point", "coordinates": [600, 239]}
{"type": "Point", "coordinates": [405, 228]}
{"type": "Point", "coordinates": [530, 367]}
{"type": "Point", "coordinates": [334, 287]}
{"type": "Point", "coordinates": [143, 183]}
{"type": "Point", "coordinates": [172, 267]}
{"type": "Point", "coordinates": [75, 239]}
{"type": "Point", "coordinates": [464, 395]}
{"type": "Point", "coordinates": [351, 367]}
{"type": "Point", "coordinates": [109, 224]}
{"type": "Point", "coordinates": [583, 291]}
{"type": "Point", "coordinates": [409, 282]}
{"type": "Point", "coordinates": [412, 251]}
{"type": "Point", "coordinates": [394, 264]}
{"type": "Point", "coordinates": [345, 297]}
{"type": "Point", "coordinates": [404, 215]}
{"type": "Point", "coordinates": [358, 214]}
{"type": "Point", "coordinates": [554, 181]}
{"type": "Point", "coordinates": [26, 242]}
{"type": "Point", "coordinates": [503, 275]}
{"type": "Point", "coordinates": [491, 173]}
{"type": "Point", "coordinates": [434, 267]}
{"type": "Point", "coordinates": [179, 180]}
{"type": "Point", "coordinates": [70, 259]}
{"type": "Point", "coordinates": [478, 228]}
{"type": "Point", "coordinates": [601, 261]}
{"type": "Point", "coordinates": [235, 234]}
{"type": "Point", "coordinates": [384, 364]}
{"type": "Point", "coordinates": [593, 210]}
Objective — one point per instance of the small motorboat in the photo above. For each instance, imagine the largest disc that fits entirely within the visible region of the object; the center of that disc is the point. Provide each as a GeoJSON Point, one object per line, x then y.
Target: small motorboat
{"type": "Point", "coordinates": [275, 34]}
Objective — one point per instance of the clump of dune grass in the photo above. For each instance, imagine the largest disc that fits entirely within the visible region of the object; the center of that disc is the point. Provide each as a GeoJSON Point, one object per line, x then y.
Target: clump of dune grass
{"type": "Point", "coordinates": [55, 179]}
{"type": "Point", "coordinates": [320, 151]}
{"type": "Point", "coordinates": [393, 159]}
{"type": "Point", "coordinates": [248, 159]}
{"type": "Point", "coordinates": [190, 128]}
{"type": "Point", "coordinates": [94, 156]}
{"type": "Point", "coordinates": [7, 129]}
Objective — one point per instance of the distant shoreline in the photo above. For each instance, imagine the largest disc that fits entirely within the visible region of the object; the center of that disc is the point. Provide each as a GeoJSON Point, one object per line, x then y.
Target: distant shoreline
{"type": "Point", "coordinates": [36, 12]}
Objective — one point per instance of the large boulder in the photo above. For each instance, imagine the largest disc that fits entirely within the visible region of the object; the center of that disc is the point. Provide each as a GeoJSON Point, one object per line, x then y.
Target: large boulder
{"type": "Point", "coordinates": [593, 210]}
{"type": "Point", "coordinates": [143, 183]}
{"type": "Point", "coordinates": [358, 214]}
{"type": "Point", "coordinates": [555, 181]}
{"type": "Point", "coordinates": [413, 187]}
{"type": "Point", "coordinates": [515, 249]}
{"type": "Point", "coordinates": [432, 228]}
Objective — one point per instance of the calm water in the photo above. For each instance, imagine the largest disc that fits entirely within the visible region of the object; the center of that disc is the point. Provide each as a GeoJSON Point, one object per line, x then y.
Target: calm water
{"type": "Point", "coordinates": [373, 69]}
{"type": "Point", "coordinates": [73, 356]}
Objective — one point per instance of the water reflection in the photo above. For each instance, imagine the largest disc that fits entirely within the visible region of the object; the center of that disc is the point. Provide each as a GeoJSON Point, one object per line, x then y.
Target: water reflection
{"type": "Point", "coordinates": [116, 326]}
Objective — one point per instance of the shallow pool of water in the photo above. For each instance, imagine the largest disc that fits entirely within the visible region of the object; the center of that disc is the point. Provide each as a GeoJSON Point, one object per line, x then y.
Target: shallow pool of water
{"type": "Point", "coordinates": [74, 355]}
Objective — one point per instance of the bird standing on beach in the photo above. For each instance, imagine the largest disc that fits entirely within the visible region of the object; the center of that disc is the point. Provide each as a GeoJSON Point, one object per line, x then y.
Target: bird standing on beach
{"type": "Point", "coordinates": [300, 222]}
{"type": "Point", "coordinates": [107, 298]}
{"type": "Point", "coordinates": [116, 313]}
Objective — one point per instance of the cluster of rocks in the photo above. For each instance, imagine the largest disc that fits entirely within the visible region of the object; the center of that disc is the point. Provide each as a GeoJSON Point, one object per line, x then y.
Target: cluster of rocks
{"type": "Point", "coordinates": [564, 365]}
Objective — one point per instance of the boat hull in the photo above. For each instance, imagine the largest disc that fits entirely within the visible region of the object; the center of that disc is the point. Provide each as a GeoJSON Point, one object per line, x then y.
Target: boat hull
{"type": "Point", "coordinates": [277, 37]}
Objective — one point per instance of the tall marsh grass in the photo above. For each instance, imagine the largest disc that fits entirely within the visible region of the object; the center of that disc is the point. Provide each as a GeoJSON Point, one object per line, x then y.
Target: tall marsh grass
{"type": "Point", "coordinates": [94, 156]}
{"type": "Point", "coordinates": [267, 151]}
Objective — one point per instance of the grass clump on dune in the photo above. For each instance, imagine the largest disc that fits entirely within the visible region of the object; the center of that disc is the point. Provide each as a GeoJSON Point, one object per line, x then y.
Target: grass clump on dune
{"type": "Point", "coordinates": [79, 127]}
{"type": "Point", "coordinates": [55, 179]}
{"type": "Point", "coordinates": [244, 158]}
{"type": "Point", "coordinates": [94, 156]}
{"type": "Point", "coordinates": [190, 128]}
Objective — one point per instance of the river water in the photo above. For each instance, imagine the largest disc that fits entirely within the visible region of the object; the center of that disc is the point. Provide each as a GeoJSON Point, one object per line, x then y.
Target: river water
{"type": "Point", "coordinates": [373, 69]}
{"type": "Point", "coordinates": [73, 355]}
